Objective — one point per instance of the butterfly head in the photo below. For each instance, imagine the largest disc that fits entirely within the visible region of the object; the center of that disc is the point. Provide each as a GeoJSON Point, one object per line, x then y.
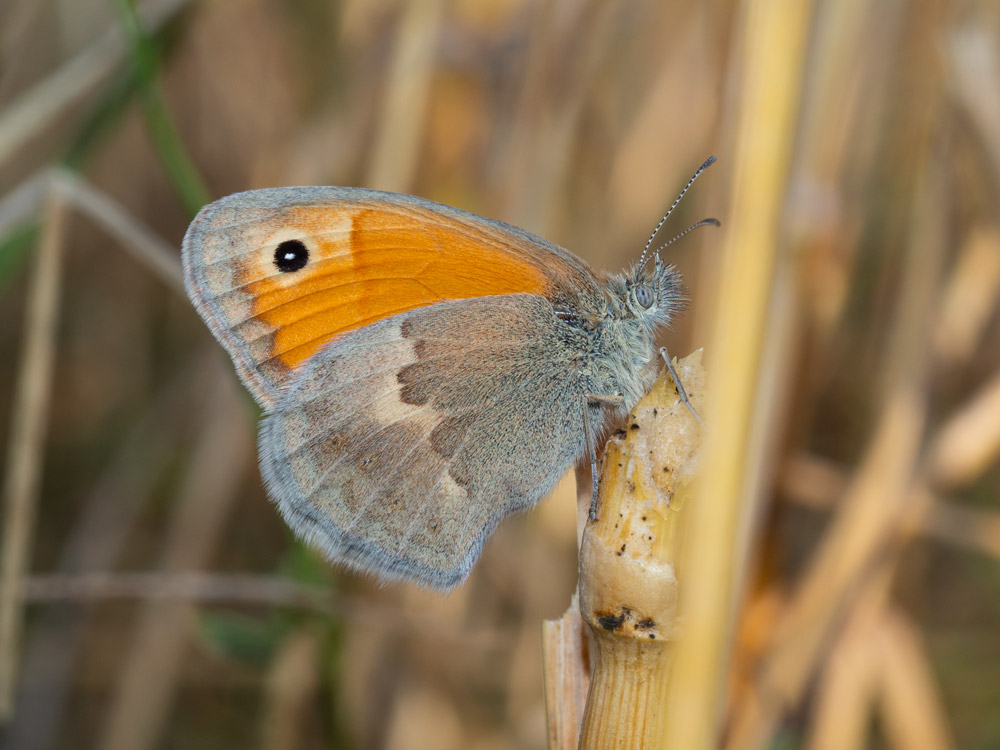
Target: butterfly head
{"type": "Point", "coordinates": [654, 293]}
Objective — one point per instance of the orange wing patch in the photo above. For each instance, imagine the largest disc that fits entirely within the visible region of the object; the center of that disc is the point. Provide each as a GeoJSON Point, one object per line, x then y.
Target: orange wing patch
{"type": "Point", "coordinates": [367, 263]}
{"type": "Point", "coordinates": [352, 257]}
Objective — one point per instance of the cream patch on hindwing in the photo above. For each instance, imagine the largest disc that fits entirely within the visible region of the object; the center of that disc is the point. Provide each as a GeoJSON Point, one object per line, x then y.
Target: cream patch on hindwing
{"type": "Point", "coordinates": [327, 404]}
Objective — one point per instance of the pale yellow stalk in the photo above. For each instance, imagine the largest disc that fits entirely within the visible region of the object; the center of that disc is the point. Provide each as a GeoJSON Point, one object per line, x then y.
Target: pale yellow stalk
{"type": "Point", "coordinates": [629, 579]}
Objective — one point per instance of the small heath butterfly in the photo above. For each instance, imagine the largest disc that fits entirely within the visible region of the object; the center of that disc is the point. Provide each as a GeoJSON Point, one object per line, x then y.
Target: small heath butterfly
{"type": "Point", "coordinates": [424, 371]}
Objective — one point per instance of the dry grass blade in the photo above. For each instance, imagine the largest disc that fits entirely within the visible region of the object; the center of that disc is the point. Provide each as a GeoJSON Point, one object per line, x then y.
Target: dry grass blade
{"type": "Point", "coordinates": [817, 484]}
{"type": "Point", "coordinates": [970, 297]}
{"type": "Point", "coordinates": [291, 689]}
{"type": "Point", "coordinates": [249, 589]}
{"type": "Point", "coordinates": [27, 436]}
{"type": "Point", "coordinates": [566, 649]}
{"type": "Point", "coordinates": [847, 550]}
{"type": "Point", "coordinates": [56, 643]}
{"type": "Point", "coordinates": [394, 156]}
{"type": "Point", "coordinates": [970, 441]}
{"type": "Point", "coordinates": [24, 200]}
{"type": "Point", "coordinates": [149, 678]}
{"type": "Point", "coordinates": [152, 251]}
{"type": "Point", "coordinates": [566, 670]}
{"type": "Point", "coordinates": [36, 109]}
{"type": "Point", "coordinates": [914, 716]}
{"type": "Point", "coordinates": [851, 564]}
{"type": "Point", "coordinates": [846, 691]}
{"type": "Point", "coordinates": [773, 39]}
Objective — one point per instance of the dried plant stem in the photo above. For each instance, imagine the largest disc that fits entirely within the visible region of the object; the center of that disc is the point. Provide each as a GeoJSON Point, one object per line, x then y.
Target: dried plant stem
{"type": "Point", "coordinates": [401, 125]}
{"type": "Point", "coordinates": [148, 681]}
{"type": "Point", "coordinates": [847, 690]}
{"type": "Point", "coordinates": [969, 443]}
{"type": "Point", "coordinates": [23, 201]}
{"type": "Point", "coordinates": [817, 483]}
{"type": "Point", "coordinates": [40, 106]}
{"type": "Point", "coordinates": [628, 566]}
{"type": "Point", "coordinates": [914, 716]}
{"type": "Point", "coordinates": [166, 142]}
{"type": "Point", "coordinates": [970, 298]}
{"type": "Point", "coordinates": [878, 662]}
{"type": "Point", "coordinates": [137, 239]}
{"type": "Point", "coordinates": [292, 684]}
{"type": "Point", "coordinates": [857, 556]}
{"type": "Point", "coordinates": [27, 436]}
{"type": "Point", "coordinates": [773, 41]}
{"type": "Point", "coordinates": [260, 590]}
{"type": "Point", "coordinates": [566, 670]}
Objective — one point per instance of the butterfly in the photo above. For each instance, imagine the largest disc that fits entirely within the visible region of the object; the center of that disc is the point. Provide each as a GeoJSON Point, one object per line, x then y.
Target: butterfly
{"type": "Point", "coordinates": [424, 372]}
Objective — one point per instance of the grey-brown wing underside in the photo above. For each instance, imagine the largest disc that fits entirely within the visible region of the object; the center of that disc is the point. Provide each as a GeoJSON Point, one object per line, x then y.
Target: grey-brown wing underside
{"type": "Point", "coordinates": [400, 446]}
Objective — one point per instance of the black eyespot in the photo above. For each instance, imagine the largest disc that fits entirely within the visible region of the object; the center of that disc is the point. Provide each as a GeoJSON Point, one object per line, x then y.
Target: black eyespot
{"type": "Point", "coordinates": [644, 296]}
{"type": "Point", "coordinates": [291, 255]}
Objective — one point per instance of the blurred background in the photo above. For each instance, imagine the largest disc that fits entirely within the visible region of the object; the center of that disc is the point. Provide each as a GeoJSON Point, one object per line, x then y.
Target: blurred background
{"type": "Point", "coordinates": [151, 596]}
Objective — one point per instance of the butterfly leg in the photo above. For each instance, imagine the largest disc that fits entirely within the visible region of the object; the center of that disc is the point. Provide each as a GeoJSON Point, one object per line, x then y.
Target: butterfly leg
{"type": "Point", "coordinates": [603, 400]}
{"type": "Point", "coordinates": [680, 386]}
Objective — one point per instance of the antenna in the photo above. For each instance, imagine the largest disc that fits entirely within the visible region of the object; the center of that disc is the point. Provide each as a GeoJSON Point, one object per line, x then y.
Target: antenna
{"type": "Point", "coordinates": [642, 258]}
{"type": "Point", "coordinates": [702, 223]}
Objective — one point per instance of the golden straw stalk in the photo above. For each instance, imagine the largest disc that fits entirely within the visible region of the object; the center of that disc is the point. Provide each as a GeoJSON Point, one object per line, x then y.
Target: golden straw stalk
{"type": "Point", "coordinates": [23, 472]}
{"type": "Point", "coordinates": [773, 35]}
{"type": "Point", "coordinates": [628, 573]}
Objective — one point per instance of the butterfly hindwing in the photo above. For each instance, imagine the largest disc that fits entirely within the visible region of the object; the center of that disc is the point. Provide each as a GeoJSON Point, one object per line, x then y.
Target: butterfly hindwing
{"type": "Point", "coordinates": [402, 415]}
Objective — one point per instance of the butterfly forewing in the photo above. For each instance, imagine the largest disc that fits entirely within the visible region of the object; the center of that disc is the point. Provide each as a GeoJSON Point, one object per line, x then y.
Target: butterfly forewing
{"type": "Point", "coordinates": [278, 273]}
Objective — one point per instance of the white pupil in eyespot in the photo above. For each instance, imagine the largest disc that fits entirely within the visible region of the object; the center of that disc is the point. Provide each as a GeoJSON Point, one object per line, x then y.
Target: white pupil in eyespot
{"type": "Point", "coordinates": [644, 296]}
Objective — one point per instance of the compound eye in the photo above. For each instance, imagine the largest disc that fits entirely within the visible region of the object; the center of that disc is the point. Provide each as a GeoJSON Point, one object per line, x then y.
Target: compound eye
{"type": "Point", "coordinates": [644, 296]}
